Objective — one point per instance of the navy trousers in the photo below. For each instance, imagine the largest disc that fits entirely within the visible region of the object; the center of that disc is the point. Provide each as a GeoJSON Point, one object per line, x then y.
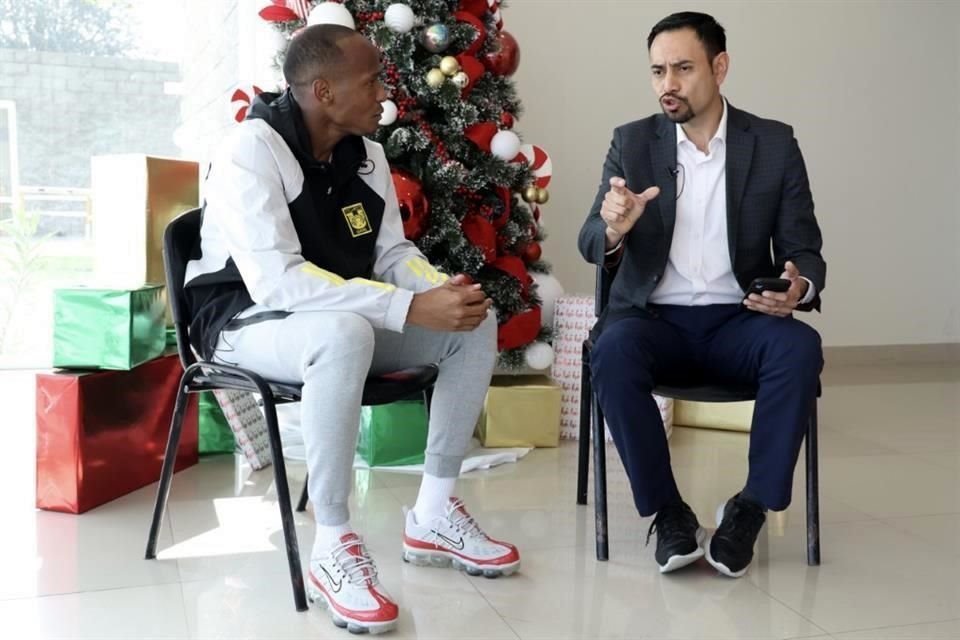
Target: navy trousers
{"type": "Point", "coordinates": [715, 344]}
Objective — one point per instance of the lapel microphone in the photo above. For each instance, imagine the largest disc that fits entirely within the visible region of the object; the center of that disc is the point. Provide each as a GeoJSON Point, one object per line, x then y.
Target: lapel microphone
{"type": "Point", "coordinates": [676, 172]}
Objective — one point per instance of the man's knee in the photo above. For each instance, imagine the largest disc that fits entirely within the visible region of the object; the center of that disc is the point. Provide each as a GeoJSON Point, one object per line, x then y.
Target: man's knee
{"type": "Point", "coordinates": [486, 332]}
{"type": "Point", "coordinates": [799, 345]}
{"type": "Point", "coordinates": [484, 335]}
{"type": "Point", "coordinates": [339, 335]}
{"type": "Point", "coordinates": [619, 356]}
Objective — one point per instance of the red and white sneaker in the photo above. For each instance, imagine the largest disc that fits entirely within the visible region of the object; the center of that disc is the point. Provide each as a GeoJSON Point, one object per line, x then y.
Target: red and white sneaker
{"type": "Point", "coordinates": [344, 580]}
{"type": "Point", "coordinates": [456, 538]}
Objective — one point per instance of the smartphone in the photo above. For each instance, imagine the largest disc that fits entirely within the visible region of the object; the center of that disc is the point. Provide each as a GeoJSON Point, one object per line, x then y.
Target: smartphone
{"type": "Point", "coordinates": [759, 285]}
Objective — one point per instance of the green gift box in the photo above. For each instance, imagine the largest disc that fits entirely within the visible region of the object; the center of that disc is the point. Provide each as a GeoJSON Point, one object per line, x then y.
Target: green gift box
{"type": "Point", "coordinates": [215, 433]}
{"type": "Point", "coordinates": [108, 328]}
{"type": "Point", "coordinates": [393, 434]}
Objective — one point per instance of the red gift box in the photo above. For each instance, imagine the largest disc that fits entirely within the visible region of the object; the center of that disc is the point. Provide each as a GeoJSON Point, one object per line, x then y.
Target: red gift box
{"type": "Point", "coordinates": [101, 435]}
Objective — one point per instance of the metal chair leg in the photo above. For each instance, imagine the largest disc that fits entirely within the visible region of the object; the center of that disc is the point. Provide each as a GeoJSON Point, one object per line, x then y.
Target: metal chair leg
{"type": "Point", "coordinates": [600, 481]}
{"type": "Point", "coordinates": [283, 498]}
{"type": "Point", "coordinates": [583, 457]}
{"type": "Point", "coordinates": [813, 492]}
{"type": "Point", "coordinates": [169, 463]}
{"type": "Point", "coordinates": [304, 495]}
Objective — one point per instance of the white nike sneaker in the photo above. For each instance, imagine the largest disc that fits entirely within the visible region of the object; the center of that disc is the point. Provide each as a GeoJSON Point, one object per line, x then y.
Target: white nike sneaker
{"type": "Point", "coordinates": [456, 538]}
{"type": "Point", "coordinates": [344, 580]}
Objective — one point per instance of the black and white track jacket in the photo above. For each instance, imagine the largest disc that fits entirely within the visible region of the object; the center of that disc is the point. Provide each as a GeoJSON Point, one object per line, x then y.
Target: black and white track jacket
{"type": "Point", "coordinates": [290, 233]}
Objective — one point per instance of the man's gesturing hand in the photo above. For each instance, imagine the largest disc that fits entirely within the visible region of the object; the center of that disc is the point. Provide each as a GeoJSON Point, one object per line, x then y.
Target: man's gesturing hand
{"type": "Point", "coordinates": [622, 208]}
{"type": "Point", "coordinates": [453, 306]}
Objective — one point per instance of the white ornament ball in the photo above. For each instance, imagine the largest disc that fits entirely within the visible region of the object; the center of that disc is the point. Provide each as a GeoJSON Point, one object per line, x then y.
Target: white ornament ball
{"type": "Point", "coordinates": [505, 145]}
{"type": "Point", "coordinates": [539, 355]}
{"type": "Point", "coordinates": [331, 13]}
{"type": "Point", "coordinates": [549, 289]}
{"type": "Point", "coordinates": [399, 18]}
{"type": "Point", "coordinates": [460, 79]}
{"type": "Point", "coordinates": [389, 115]}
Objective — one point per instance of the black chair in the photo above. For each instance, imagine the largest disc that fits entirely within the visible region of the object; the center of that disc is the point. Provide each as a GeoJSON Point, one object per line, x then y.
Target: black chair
{"type": "Point", "coordinates": [179, 239]}
{"type": "Point", "coordinates": [591, 420]}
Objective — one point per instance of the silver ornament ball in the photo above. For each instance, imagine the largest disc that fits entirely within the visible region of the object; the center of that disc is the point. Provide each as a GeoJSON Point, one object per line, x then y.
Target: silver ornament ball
{"type": "Point", "coordinates": [435, 38]}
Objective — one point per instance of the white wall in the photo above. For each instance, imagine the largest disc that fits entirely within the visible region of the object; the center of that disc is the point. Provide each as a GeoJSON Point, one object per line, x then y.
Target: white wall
{"type": "Point", "coordinates": [229, 45]}
{"type": "Point", "coordinates": [873, 91]}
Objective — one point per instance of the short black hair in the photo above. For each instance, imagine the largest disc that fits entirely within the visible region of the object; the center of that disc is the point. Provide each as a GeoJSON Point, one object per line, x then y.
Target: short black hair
{"type": "Point", "coordinates": [708, 30]}
{"type": "Point", "coordinates": [314, 50]}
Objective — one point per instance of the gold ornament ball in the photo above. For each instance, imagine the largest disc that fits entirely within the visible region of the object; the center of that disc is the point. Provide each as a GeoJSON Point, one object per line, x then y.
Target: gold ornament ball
{"type": "Point", "coordinates": [530, 193]}
{"type": "Point", "coordinates": [543, 196]}
{"type": "Point", "coordinates": [449, 65]}
{"type": "Point", "coordinates": [460, 79]}
{"type": "Point", "coordinates": [435, 78]}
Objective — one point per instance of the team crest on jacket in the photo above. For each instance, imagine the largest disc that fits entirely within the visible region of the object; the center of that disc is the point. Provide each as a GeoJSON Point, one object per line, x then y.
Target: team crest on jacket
{"type": "Point", "coordinates": [357, 220]}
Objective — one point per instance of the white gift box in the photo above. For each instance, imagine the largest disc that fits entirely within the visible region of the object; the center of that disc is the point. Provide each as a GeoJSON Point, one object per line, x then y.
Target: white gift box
{"type": "Point", "coordinates": [246, 420]}
{"type": "Point", "coordinates": [573, 319]}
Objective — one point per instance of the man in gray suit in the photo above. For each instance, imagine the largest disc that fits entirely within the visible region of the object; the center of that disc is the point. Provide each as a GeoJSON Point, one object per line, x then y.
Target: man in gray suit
{"type": "Point", "coordinates": [690, 204]}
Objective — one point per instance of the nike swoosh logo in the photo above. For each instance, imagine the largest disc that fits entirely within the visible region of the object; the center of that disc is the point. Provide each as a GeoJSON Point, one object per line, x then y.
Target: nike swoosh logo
{"type": "Point", "coordinates": [335, 585]}
{"type": "Point", "coordinates": [456, 544]}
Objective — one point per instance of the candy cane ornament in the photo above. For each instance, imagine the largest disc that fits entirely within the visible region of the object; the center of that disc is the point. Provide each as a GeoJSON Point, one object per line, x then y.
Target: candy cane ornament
{"type": "Point", "coordinates": [540, 164]}
{"type": "Point", "coordinates": [240, 101]}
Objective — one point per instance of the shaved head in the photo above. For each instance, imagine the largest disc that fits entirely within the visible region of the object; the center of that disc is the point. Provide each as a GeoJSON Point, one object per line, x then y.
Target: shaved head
{"type": "Point", "coordinates": [316, 52]}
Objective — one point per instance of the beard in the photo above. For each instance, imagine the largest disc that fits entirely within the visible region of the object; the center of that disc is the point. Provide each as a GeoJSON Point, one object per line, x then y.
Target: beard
{"type": "Point", "coordinates": [684, 114]}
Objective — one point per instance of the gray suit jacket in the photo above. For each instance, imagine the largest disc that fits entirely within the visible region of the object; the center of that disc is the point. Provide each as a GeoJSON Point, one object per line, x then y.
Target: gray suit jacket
{"type": "Point", "coordinates": [769, 207]}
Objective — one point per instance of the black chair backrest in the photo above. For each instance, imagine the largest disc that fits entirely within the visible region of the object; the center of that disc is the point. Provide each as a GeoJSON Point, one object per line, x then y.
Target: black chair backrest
{"type": "Point", "coordinates": [179, 239]}
{"type": "Point", "coordinates": [605, 276]}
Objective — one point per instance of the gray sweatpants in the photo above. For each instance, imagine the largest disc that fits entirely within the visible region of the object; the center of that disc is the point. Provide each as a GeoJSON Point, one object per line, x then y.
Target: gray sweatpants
{"type": "Point", "coordinates": [332, 353]}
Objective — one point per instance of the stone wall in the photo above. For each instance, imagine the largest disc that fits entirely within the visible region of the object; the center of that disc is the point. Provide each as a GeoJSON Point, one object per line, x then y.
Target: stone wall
{"type": "Point", "coordinates": [70, 107]}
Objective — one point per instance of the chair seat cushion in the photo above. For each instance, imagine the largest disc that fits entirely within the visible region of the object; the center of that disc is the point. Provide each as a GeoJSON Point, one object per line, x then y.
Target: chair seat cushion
{"type": "Point", "coordinates": [399, 385]}
{"type": "Point", "coordinates": [706, 393]}
{"type": "Point", "coordinates": [382, 389]}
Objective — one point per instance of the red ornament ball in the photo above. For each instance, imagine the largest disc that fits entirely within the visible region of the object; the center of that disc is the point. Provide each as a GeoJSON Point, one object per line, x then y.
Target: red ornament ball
{"type": "Point", "coordinates": [505, 59]}
{"type": "Point", "coordinates": [414, 205]}
{"type": "Point", "coordinates": [532, 252]}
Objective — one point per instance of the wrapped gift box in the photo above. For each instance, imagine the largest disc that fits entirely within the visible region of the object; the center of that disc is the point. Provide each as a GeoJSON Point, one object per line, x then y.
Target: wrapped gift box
{"type": "Point", "coordinates": [134, 197]}
{"type": "Point", "coordinates": [215, 435]}
{"type": "Point", "coordinates": [101, 435]}
{"type": "Point", "coordinates": [249, 427]}
{"type": "Point", "coordinates": [572, 321]}
{"type": "Point", "coordinates": [733, 416]}
{"type": "Point", "coordinates": [521, 411]}
{"type": "Point", "coordinates": [108, 328]}
{"type": "Point", "coordinates": [393, 434]}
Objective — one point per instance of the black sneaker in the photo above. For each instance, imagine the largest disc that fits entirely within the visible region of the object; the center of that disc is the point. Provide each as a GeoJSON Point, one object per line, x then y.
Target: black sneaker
{"type": "Point", "coordinates": [679, 537]}
{"type": "Point", "coordinates": [730, 549]}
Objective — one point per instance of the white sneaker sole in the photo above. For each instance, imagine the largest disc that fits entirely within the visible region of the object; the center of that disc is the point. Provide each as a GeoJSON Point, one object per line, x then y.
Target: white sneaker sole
{"type": "Point", "coordinates": [719, 566]}
{"type": "Point", "coordinates": [678, 562]}
{"type": "Point", "coordinates": [319, 598]}
{"type": "Point", "coordinates": [440, 559]}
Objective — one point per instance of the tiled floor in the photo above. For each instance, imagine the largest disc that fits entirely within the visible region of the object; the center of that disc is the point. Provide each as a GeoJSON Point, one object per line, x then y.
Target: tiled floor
{"type": "Point", "coordinates": [890, 503]}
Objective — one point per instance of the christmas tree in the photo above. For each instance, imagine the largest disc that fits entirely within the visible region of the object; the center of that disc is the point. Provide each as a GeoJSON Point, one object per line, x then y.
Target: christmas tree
{"type": "Point", "coordinates": [469, 192]}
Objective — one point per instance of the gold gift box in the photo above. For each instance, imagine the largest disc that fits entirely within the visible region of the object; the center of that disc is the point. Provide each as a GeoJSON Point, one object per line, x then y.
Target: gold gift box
{"type": "Point", "coordinates": [731, 416]}
{"type": "Point", "coordinates": [521, 411]}
{"type": "Point", "coordinates": [134, 197]}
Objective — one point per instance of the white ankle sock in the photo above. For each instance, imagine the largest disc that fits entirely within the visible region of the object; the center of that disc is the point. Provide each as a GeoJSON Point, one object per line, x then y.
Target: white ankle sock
{"type": "Point", "coordinates": [327, 537]}
{"type": "Point", "coordinates": [433, 497]}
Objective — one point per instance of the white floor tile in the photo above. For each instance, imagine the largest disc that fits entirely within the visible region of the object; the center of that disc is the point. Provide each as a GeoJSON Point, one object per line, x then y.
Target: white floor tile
{"type": "Point", "coordinates": [948, 630]}
{"type": "Point", "coordinates": [890, 515]}
{"type": "Point", "coordinates": [121, 614]}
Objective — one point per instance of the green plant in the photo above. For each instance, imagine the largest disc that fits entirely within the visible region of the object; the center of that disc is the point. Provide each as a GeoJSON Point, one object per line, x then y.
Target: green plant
{"type": "Point", "coordinates": [19, 251]}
